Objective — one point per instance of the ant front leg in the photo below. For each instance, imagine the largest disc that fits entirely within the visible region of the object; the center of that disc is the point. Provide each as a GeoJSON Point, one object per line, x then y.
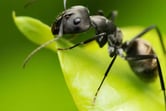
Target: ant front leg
{"type": "Point", "coordinates": [105, 75]}
{"type": "Point", "coordinates": [83, 42]}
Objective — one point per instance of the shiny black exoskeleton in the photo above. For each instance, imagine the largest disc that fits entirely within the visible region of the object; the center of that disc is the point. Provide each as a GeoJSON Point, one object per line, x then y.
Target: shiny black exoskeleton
{"type": "Point", "coordinates": [139, 53]}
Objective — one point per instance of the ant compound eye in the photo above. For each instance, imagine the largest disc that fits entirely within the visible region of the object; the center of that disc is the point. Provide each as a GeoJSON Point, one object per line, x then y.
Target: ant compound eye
{"type": "Point", "coordinates": [76, 21]}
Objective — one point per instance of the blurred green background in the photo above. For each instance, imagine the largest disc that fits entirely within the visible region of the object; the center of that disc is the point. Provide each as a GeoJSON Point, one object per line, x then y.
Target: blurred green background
{"type": "Point", "coordinates": [41, 86]}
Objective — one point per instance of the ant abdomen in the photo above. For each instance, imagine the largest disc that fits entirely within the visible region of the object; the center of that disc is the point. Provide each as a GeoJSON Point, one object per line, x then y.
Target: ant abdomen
{"type": "Point", "coordinates": [146, 69]}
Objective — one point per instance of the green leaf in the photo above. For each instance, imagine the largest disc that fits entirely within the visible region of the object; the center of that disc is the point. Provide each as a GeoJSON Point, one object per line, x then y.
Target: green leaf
{"type": "Point", "coordinates": [83, 68]}
{"type": "Point", "coordinates": [34, 30]}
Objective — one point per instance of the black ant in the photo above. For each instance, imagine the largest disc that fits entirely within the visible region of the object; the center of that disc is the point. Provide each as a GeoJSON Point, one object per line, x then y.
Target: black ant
{"type": "Point", "coordinates": [139, 53]}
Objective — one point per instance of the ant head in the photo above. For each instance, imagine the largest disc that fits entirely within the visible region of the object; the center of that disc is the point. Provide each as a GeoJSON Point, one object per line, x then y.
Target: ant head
{"type": "Point", "coordinates": [73, 20]}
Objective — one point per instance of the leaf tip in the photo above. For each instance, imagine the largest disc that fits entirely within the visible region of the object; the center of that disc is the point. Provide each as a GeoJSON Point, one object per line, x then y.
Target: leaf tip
{"type": "Point", "coordinates": [13, 14]}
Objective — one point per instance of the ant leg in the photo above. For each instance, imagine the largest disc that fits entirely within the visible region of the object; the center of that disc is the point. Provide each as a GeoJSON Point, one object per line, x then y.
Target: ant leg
{"type": "Point", "coordinates": [100, 12]}
{"type": "Point", "coordinates": [149, 29]}
{"type": "Point", "coordinates": [142, 57]}
{"type": "Point", "coordinates": [113, 15]}
{"type": "Point", "coordinates": [84, 42]}
{"type": "Point", "coordinates": [105, 75]}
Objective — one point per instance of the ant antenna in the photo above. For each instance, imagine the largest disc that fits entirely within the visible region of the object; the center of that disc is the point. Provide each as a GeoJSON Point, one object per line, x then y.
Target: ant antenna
{"type": "Point", "coordinates": [64, 3]}
{"type": "Point", "coordinates": [46, 43]}
{"type": "Point", "coordinates": [61, 29]}
{"type": "Point", "coordinates": [37, 49]}
{"type": "Point", "coordinates": [61, 25]}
